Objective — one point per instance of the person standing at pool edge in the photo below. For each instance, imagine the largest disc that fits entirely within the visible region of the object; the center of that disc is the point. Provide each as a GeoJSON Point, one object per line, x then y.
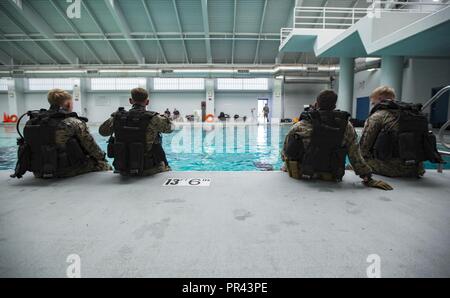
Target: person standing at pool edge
{"type": "Point", "coordinates": [57, 142]}
{"type": "Point", "coordinates": [316, 146]}
{"type": "Point", "coordinates": [266, 112]}
{"type": "Point", "coordinates": [136, 142]}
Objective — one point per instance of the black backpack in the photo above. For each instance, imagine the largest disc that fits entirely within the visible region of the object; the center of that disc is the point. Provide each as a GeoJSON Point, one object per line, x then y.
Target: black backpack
{"type": "Point", "coordinates": [412, 142]}
{"type": "Point", "coordinates": [38, 151]}
{"type": "Point", "coordinates": [325, 152]}
{"type": "Point", "coordinates": [128, 146]}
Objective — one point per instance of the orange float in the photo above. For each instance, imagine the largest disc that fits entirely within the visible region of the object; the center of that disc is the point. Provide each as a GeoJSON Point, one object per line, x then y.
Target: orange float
{"type": "Point", "coordinates": [209, 118]}
{"type": "Point", "coordinates": [9, 118]}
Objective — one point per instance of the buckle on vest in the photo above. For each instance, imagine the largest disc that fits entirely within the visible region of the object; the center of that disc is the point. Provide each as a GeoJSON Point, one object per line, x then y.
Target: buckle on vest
{"type": "Point", "coordinates": [410, 162]}
{"type": "Point", "coordinates": [308, 177]}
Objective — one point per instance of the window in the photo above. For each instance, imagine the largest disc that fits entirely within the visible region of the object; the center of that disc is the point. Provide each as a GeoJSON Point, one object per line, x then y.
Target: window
{"type": "Point", "coordinates": [3, 85]}
{"type": "Point", "coordinates": [117, 83]}
{"type": "Point", "coordinates": [178, 84]}
{"type": "Point", "coordinates": [47, 84]}
{"type": "Point", "coordinates": [242, 84]}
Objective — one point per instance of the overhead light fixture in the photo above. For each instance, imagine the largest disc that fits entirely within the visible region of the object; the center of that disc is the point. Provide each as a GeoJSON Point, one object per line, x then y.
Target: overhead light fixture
{"type": "Point", "coordinates": [372, 69]}
{"type": "Point", "coordinates": [55, 71]}
{"type": "Point", "coordinates": [204, 70]}
{"type": "Point", "coordinates": [128, 71]}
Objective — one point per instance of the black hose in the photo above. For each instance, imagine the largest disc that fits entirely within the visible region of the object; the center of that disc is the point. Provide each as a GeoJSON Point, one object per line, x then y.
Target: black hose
{"type": "Point", "coordinates": [17, 125]}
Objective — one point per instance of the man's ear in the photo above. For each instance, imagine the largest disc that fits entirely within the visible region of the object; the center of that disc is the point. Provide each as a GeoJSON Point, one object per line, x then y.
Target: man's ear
{"type": "Point", "coordinates": [131, 101]}
{"type": "Point", "coordinates": [147, 101]}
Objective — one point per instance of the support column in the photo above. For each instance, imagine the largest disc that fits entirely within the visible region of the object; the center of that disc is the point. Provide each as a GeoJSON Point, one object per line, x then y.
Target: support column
{"type": "Point", "coordinates": [392, 73]}
{"type": "Point", "coordinates": [209, 87]}
{"type": "Point", "coordinates": [346, 80]}
{"type": "Point", "coordinates": [77, 99]}
{"type": "Point", "coordinates": [15, 93]}
{"type": "Point", "coordinates": [276, 101]}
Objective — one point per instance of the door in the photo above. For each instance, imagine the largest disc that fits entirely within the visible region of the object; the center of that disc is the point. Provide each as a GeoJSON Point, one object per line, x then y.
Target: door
{"type": "Point", "coordinates": [261, 103]}
{"type": "Point", "coordinates": [439, 109]}
{"type": "Point", "coordinates": [362, 108]}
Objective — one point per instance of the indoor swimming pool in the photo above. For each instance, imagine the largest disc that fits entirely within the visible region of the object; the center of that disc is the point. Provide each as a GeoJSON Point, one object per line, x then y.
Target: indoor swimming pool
{"type": "Point", "coordinates": [211, 147]}
{"type": "Point", "coordinates": [195, 148]}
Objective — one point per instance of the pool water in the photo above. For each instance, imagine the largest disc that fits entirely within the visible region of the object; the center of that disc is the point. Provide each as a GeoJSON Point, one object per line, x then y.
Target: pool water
{"type": "Point", "coordinates": [200, 147]}
{"type": "Point", "coordinates": [237, 148]}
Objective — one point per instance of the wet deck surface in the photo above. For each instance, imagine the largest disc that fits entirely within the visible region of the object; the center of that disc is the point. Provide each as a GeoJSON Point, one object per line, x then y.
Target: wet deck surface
{"type": "Point", "coordinates": [245, 224]}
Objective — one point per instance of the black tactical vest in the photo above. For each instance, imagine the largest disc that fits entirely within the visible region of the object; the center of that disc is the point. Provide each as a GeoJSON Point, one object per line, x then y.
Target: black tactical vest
{"type": "Point", "coordinates": [325, 152]}
{"type": "Point", "coordinates": [132, 154]}
{"type": "Point", "coordinates": [410, 141]}
{"type": "Point", "coordinates": [38, 151]}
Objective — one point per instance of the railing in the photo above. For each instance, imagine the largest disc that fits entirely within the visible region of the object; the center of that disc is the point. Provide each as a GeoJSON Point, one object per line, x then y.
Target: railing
{"type": "Point", "coordinates": [344, 17]}
{"type": "Point", "coordinates": [441, 133]}
{"type": "Point", "coordinates": [284, 33]}
{"type": "Point", "coordinates": [447, 124]}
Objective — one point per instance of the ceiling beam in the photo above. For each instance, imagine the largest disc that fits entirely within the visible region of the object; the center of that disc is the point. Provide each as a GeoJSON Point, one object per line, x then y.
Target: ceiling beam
{"type": "Point", "coordinates": [16, 48]}
{"type": "Point", "coordinates": [234, 31]}
{"type": "Point", "coordinates": [5, 59]}
{"type": "Point", "coordinates": [27, 13]}
{"type": "Point", "coordinates": [261, 25]}
{"type": "Point", "coordinates": [181, 30]}
{"type": "Point", "coordinates": [152, 25]}
{"type": "Point", "coordinates": [75, 30]}
{"type": "Point", "coordinates": [92, 16]}
{"type": "Point", "coordinates": [23, 31]}
{"type": "Point", "coordinates": [206, 29]}
{"type": "Point", "coordinates": [120, 20]}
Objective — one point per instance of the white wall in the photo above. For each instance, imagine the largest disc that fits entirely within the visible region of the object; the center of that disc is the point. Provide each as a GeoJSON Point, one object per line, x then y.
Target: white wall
{"type": "Point", "coordinates": [185, 102]}
{"type": "Point", "coordinates": [35, 101]}
{"type": "Point", "coordinates": [100, 105]}
{"type": "Point", "coordinates": [239, 103]}
{"type": "Point", "coordinates": [298, 95]}
{"type": "Point", "coordinates": [419, 77]}
{"type": "Point", "coordinates": [4, 106]}
{"type": "Point", "coordinates": [365, 82]}
{"type": "Point", "coordinates": [422, 75]}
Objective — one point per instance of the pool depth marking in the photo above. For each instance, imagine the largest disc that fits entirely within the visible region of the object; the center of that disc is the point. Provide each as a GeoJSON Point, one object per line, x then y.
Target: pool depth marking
{"type": "Point", "coordinates": [187, 182]}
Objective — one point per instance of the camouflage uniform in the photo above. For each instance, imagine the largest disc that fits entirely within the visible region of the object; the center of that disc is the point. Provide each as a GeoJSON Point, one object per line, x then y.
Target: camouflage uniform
{"type": "Point", "coordinates": [73, 127]}
{"type": "Point", "coordinates": [158, 124]}
{"type": "Point", "coordinates": [391, 168]}
{"type": "Point", "coordinates": [304, 129]}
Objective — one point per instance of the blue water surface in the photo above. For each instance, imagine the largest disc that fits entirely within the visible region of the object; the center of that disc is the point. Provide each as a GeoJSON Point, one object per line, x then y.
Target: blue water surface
{"type": "Point", "coordinates": [237, 148]}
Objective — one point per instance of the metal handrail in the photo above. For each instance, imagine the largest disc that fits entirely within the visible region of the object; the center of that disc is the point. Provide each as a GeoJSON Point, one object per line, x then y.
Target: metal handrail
{"type": "Point", "coordinates": [441, 134]}
{"type": "Point", "coordinates": [303, 15]}
{"type": "Point", "coordinates": [435, 97]}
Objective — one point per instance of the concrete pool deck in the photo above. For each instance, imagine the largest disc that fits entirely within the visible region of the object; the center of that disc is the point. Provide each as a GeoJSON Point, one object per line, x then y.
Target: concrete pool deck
{"type": "Point", "coordinates": [245, 224]}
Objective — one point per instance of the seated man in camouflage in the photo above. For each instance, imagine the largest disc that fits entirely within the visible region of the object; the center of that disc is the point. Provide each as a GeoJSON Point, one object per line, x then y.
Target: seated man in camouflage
{"type": "Point", "coordinates": [395, 140]}
{"type": "Point", "coordinates": [317, 145]}
{"type": "Point", "coordinates": [57, 143]}
{"type": "Point", "coordinates": [136, 142]}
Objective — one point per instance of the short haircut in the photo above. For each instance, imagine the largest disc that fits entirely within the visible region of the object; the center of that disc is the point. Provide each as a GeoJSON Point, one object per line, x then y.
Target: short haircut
{"type": "Point", "coordinates": [139, 94]}
{"type": "Point", "coordinates": [326, 100]}
{"type": "Point", "coordinates": [384, 91]}
{"type": "Point", "coordinates": [56, 97]}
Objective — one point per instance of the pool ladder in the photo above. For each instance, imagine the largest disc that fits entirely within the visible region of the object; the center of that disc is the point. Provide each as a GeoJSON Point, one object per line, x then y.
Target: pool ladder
{"type": "Point", "coordinates": [441, 133]}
